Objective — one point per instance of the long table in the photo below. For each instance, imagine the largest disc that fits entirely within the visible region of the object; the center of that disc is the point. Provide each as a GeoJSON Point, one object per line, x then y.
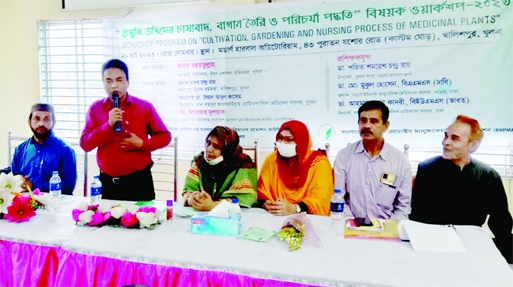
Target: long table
{"type": "Point", "coordinates": [171, 256]}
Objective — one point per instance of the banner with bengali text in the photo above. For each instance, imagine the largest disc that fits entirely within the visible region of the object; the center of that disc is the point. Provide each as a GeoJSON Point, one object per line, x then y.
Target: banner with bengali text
{"type": "Point", "coordinates": [254, 67]}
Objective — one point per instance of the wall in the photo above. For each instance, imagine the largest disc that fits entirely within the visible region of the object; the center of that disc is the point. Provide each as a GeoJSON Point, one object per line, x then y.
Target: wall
{"type": "Point", "coordinates": [19, 58]}
{"type": "Point", "coordinates": [19, 61]}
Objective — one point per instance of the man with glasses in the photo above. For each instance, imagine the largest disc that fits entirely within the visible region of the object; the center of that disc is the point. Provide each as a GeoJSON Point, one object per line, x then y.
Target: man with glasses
{"type": "Point", "coordinates": [457, 189]}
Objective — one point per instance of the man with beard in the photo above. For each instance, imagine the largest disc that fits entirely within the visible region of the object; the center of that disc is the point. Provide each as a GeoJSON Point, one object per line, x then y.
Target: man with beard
{"type": "Point", "coordinates": [457, 189]}
{"type": "Point", "coordinates": [374, 177]}
{"type": "Point", "coordinates": [36, 158]}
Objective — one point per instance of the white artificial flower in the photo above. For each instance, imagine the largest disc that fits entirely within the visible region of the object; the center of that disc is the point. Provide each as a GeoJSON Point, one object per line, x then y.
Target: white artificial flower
{"type": "Point", "coordinates": [160, 216]}
{"type": "Point", "coordinates": [146, 219]}
{"type": "Point", "coordinates": [85, 217]}
{"type": "Point", "coordinates": [47, 200]}
{"type": "Point", "coordinates": [105, 207]}
{"type": "Point", "coordinates": [118, 211]}
{"type": "Point", "coordinates": [10, 182]}
{"type": "Point", "coordinates": [83, 205]}
{"type": "Point", "coordinates": [133, 208]}
{"type": "Point", "coordinates": [6, 198]}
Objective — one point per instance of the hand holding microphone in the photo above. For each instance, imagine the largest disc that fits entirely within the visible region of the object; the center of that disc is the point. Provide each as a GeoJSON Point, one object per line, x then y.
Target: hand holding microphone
{"type": "Point", "coordinates": [116, 114]}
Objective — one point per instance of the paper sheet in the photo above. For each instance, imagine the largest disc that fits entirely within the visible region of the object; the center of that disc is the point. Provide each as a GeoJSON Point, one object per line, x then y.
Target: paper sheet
{"type": "Point", "coordinates": [433, 238]}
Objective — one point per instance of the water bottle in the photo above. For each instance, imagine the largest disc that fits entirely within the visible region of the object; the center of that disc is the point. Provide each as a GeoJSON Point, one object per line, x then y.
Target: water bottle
{"type": "Point", "coordinates": [235, 211]}
{"type": "Point", "coordinates": [96, 190]}
{"type": "Point", "coordinates": [337, 213]}
{"type": "Point", "coordinates": [55, 185]}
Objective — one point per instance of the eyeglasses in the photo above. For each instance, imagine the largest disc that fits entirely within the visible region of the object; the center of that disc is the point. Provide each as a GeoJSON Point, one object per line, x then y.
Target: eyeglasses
{"type": "Point", "coordinates": [286, 139]}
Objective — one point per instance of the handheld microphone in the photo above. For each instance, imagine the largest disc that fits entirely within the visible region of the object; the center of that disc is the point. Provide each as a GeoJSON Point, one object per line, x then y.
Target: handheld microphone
{"type": "Point", "coordinates": [115, 103]}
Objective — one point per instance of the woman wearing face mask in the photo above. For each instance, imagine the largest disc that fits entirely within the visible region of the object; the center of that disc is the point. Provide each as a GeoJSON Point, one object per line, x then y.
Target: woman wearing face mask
{"type": "Point", "coordinates": [221, 171]}
{"type": "Point", "coordinates": [294, 178]}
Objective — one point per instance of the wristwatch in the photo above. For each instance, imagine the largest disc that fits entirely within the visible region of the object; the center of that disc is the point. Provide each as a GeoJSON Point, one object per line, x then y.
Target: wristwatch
{"type": "Point", "coordinates": [298, 208]}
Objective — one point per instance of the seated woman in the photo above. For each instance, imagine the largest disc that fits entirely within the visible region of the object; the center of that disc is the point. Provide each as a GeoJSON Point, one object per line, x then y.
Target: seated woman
{"type": "Point", "coordinates": [294, 178]}
{"type": "Point", "coordinates": [222, 171]}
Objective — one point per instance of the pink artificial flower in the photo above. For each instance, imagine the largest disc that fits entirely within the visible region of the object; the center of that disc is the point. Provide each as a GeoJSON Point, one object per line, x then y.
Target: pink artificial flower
{"type": "Point", "coordinates": [20, 210]}
{"type": "Point", "coordinates": [37, 192]}
{"type": "Point", "coordinates": [23, 199]}
{"type": "Point", "coordinates": [93, 207]}
{"type": "Point", "coordinates": [106, 216]}
{"type": "Point", "coordinates": [96, 219]}
{"type": "Point", "coordinates": [76, 213]}
{"type": "Point", "coordinates": [148, 209]}
{"type": "Point", "coordinates": [129, 219]}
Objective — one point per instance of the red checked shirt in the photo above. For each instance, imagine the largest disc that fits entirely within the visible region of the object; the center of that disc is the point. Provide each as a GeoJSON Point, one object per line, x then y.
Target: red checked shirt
{"type": "Point", "coordinates": [140, 118]}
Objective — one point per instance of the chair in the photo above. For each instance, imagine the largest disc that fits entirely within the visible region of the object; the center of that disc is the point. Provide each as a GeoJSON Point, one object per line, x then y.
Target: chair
{"type": "Point", "coordinates": [324, 152]}
{"type": "Point", "coordinates": [82, 166]}
{"type": "Point", "coordinates": [13, 142]}
{"type": "Point", "coordinates": [255, 150]}
{"type": "Point", "coordinates": [406, 149]}
{"type": "Point", "coordinates": [327, 148]}
{"type": "Point", "coordinates": [165, 169]}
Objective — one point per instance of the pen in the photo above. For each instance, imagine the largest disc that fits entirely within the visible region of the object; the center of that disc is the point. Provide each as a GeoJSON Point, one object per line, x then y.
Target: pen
{"type": "Point", "coordinates": [451, 226]}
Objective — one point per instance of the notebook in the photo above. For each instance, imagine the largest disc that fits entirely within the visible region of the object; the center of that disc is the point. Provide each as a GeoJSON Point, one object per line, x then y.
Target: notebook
{"type": "Point", "coordinates": [377, 225]}
{"type": "Point", "coordinates": [257, 234]}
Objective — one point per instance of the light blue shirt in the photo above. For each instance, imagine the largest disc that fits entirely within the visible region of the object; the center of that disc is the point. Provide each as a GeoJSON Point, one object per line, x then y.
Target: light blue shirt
{"type": "Point", "coordinates": [38, 161]}
{"type": "Point", "coordinates": [359, 177]}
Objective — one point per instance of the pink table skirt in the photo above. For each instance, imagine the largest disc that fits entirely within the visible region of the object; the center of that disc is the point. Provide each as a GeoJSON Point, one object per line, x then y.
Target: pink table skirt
{"type": "Point", "coordinates": [23, 264]}
{"type": "Point", "coordinates": [34, 265]}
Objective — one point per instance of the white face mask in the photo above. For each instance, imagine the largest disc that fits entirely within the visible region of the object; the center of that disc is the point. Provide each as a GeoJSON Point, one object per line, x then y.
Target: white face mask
{"type": "Point", "coordinates": [286, 150]}
{"type": "Point", "coordinates": [214, 161]}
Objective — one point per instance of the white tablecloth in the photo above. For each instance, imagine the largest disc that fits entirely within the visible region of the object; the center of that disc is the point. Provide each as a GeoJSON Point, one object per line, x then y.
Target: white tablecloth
{"type": "Point", "coordinates": [46, 228]}
{"type": "Point", "coordinates": [352, 261]}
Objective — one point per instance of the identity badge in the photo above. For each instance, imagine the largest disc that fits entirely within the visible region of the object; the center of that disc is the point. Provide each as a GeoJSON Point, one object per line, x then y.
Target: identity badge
{"type": "Point", "coordinates": [388, 179]}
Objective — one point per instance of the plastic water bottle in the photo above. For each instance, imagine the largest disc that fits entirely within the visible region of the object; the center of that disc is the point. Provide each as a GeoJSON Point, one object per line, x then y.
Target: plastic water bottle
{"type": "Point", "coordinates": [96, 190]}
{"type": "Point", "coordinates": [55, 185]}
{"type": "Point", "coordinates": [337, 213]}
{"type": "Point", "coordinates": [235, 211]}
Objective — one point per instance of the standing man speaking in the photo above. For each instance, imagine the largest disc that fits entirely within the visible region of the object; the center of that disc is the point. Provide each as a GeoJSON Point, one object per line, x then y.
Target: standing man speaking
{"type": "Point", "coordinates": [125, 129]}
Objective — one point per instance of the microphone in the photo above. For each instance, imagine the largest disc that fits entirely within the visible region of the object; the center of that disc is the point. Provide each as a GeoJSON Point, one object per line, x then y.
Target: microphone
{"type": "Point", "coordinates": [115, 103]}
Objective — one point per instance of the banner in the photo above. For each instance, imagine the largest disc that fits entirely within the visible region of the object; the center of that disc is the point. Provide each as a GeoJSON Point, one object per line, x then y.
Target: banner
{"type": "Point", "coordinates": [254, 67]}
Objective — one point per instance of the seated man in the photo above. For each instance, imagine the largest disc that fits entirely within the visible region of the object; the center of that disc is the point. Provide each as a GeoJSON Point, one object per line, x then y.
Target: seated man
{"type": "Point", "coordinates": [36, 158]}
{"type": "Point", "coordinates": [457, 189]}
{"type": "Point", "coordinates": [221, 171]}
{"type": "Point", "coordinates": [294, 178]}
{"type": "Point", "coordinates": [374, 177]}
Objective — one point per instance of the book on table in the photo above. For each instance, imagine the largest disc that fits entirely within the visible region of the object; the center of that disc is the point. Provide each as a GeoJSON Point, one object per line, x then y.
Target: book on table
{"type": "Point", "coordinates": [377, 225]}
{"type": "Point", "coordinates": [380, 229]}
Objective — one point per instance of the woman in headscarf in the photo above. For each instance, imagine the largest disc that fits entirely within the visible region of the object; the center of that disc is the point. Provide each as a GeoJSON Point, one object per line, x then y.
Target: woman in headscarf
{"type": "Point", "coordinates": [222, 171]}
{"type": "Point", "coordinates": [294, 178]}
